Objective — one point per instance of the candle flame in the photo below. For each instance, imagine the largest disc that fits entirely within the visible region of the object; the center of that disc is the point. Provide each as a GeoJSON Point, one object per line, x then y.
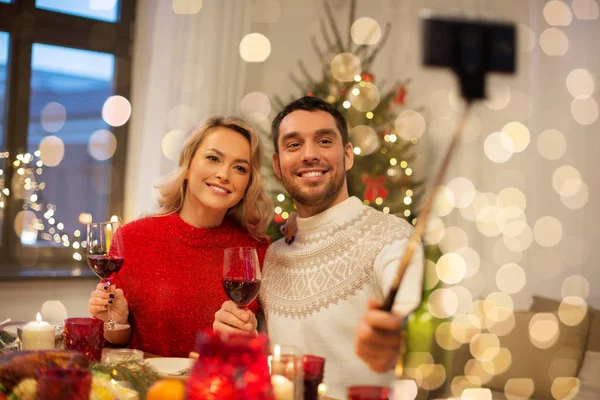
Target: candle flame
{"type": "Point", "coordinates": [38, 318]}
{"type": "Point", "coordinates": [277, 351]}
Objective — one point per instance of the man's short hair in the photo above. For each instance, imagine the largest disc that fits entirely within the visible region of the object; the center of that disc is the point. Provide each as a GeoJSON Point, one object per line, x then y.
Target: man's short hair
{"type": "Point", "coordinates": [309, 103]}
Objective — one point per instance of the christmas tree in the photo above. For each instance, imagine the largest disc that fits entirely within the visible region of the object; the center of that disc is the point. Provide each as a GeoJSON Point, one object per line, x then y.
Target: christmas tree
{"type": "Point", "coordinates": [381, 128]}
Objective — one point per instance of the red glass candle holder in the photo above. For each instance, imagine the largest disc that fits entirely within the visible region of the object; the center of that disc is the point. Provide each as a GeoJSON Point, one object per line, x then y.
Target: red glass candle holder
{"type": "Point", "coordinates": [85, 335]}
{"type": "Point", "coordinates": [230, 367]}
{"type": "Point", "coordinates": [368, 393]}
{"type": "Point", "coordinates": [63, 383]}
{"type": "Point", "coordinates": [314, 368]}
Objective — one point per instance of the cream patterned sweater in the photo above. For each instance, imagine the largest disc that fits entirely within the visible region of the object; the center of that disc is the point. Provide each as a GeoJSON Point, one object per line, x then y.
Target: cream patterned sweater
{"type": "Point", "coordinates": [315, 291]}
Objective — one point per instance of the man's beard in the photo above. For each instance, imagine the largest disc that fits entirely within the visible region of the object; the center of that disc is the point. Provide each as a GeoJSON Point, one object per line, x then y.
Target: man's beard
{"type": "Point", "coordinates": [306, 196]}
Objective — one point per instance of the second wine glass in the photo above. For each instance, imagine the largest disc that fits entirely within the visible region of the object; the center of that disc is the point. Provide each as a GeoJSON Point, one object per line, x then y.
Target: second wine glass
{"type": "Point", "coordinates": [105, 256]}
{"type": "Point", "coordinates": [241, 275]}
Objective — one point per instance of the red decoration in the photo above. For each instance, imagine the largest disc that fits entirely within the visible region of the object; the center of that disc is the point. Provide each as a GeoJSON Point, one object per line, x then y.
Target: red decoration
{"type": "Point", "coordinates": [368, 77]}
{"type": "Point", "coordinates": [374, 187]}
{"type": "Point", "coordinates": [278, 219]}
{"type": "Point", "coordinates": [400, 97]}
{"type": "Point", "coordinates": [230, 367]}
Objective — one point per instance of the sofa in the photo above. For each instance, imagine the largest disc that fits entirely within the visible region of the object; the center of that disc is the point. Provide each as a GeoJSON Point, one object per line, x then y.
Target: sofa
{"type": "Point", "coordinates": [538, 361]}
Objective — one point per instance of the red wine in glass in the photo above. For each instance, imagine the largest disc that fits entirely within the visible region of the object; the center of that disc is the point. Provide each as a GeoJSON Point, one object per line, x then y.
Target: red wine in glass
{"type": "Point", "coordinates": [241, 275]}
{"type": "Point", "coordinates": [105, 255]}
{"type": "Point", "coordinates": [240, 291]}
{"type": "Point", "coordinates": [105, 267]}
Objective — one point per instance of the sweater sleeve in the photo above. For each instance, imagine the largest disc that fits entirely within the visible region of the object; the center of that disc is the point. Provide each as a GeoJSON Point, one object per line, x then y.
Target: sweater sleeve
{"type": "Point", "coordinates": [386, 264]}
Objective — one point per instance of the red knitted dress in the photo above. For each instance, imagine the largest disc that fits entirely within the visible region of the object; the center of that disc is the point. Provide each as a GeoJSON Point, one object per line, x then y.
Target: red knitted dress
{"type": "Point", "coordinates": [172, 279]}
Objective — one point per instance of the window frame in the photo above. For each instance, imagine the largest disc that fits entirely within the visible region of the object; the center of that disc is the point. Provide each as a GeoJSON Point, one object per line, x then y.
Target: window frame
{"type": "Point", "coordinates": [27, 25]}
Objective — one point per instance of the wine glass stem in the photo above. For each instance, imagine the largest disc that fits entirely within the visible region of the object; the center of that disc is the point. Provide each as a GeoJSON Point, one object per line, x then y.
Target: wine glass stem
{"type": "Point", "coordinates": [110, 323]}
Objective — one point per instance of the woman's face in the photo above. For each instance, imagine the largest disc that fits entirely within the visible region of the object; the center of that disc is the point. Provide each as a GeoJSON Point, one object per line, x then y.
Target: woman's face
{"type": "Point", "coordinates": [219, 172]}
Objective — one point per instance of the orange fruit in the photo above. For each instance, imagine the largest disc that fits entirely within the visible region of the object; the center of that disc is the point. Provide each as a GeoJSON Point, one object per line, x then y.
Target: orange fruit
{"type": "Point", "coordinates": [166, 389]}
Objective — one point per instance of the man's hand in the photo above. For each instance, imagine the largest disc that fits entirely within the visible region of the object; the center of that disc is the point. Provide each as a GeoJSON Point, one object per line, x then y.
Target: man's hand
{"type": "Point", "coordinates": [378, 338]}
{"type": "Point", "coordinates": [233, 319]}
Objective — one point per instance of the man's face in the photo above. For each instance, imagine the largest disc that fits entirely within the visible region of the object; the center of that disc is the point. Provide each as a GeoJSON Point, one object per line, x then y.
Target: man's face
{"type": "Point", "coordinates": [312, 160]}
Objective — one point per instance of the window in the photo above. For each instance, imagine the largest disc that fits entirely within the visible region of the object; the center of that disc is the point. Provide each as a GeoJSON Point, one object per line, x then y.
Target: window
{"type": "Point", "coordinates": [105, 10]}
{"type": "Point", "coordinates": [65, 85]}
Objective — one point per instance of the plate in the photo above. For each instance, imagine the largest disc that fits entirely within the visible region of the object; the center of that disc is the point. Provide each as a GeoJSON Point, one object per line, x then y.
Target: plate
{"type": "Point", "coordinates": [171, 367]}
{"type": "Point", "coordinates": [11, 328]}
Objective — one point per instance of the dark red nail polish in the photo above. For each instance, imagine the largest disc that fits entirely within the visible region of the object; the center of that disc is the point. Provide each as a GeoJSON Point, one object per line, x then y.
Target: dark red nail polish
{"type": "Point", "coordinates": [105, 287]}
{"type": "Point", "coordinates": [112, 296]}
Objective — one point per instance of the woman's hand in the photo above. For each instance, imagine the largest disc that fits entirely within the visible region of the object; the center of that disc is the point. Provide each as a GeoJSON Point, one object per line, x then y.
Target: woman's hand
{"type": "Point", "coordinates": [233, 319]}
{"type": "Point", "coordinates": [290, 228]}
{"type": "Point", "coordinates": [102, 297]}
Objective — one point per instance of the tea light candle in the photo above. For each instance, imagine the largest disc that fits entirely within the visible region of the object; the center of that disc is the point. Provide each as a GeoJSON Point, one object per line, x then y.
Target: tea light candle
{"type": "Point", "coordinates": [283, 388]}
{"type": "Point", "coordinates": [38, 335]}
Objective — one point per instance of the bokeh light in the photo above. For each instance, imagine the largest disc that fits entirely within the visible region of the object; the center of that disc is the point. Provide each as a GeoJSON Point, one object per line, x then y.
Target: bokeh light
{"type": "Point", "coordinates": [431, 278]}
{"type": "Point", "coordinates": [430, 376]}
{"type": "Point", "coordinates": [443, 303]}
{"type": "Point", "coordinates": [255, 47]}
{"type": "Point", "coordinates": [511, 278]}
{"type": "Point", "coordinates": [116, 110]}
{"type": "Point", "coordinates": [580, 83]}
{"type": "Point", "coordinates": [365, 31]}
{"type": "Point", "coordinates": [345, 66]}
{"type": "Point", "coordinates": [52, 150]}
{"type": "Point", "coordinates": [552, 144]}
{"type": "Point", "coordinates": [474, 369]}
{"type": "Point", "coordinates": [443, 204]}
{"type": "Point", "coordinates": [451, 268]}
{"type": "Point", "coordinates": [434, 232]}
{"type": "Point", "coordinates": [172, 143]}
{"type": "Point", "coordinates": [445, 338]}
{"type": "Point", "coordinates": [499, 147]}
{"type": "Point", "coordinates": [572, 310]}
{"type": "Point", "coordinates": [566, 179]}
{"type": "Point", "coordinates": [548, 231]}
{"type": "Point", "coordinates": [186, 6]}
{"type": "Point", "coordinates": [464, 297]}
{"type": "Point", "coordinates": [543, 330]}
{"type": "Point", "coordinates": [575, 286]}
{"type": "Point", "coordinates": [255, 106]}
{"type": "Point", "coordinates": [585, 110]}
{"type": "Point", "coordinates": [519, 135]}
{"type": "Point", "coordinates": [519, 388]}
{"type": "Point", "coordinates": [565, 388]}
{"type": "Point", "coordinates": [454, 239]}
{"type": "Point", "coordinates": [102, 145]}
{"type": "Point", "coordinates": [554, 42]}
{"type": "Point", "coordinates": [410, 124]}
{"type": "Point", "coordinates": [463, 190]}
{"type": "Point", "coordinates": [472, 260]}
{"type": "Point", "coordinates": [498, 96]}
{"type": "Point", "coordinates": [364, 96]}
{"type": "Point", "coordinates": [586, 9]}
{"type": "Point", "coordinates": [500, 363]}
{"type": "Point", "coordinates": [491, 221]}
{"type": "Point", "coordinates": [577, 200]}
{"type": "Point", "coordinates": [557, 13]}
{"type": "Point", "coordinates": [53, 117]}
{"type": "Point", "coordinates": [365, 138]}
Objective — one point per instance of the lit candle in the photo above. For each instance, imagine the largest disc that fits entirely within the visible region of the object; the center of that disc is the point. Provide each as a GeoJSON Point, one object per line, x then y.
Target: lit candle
{"type": "Point", "coordinates": [283, 388]}
{"type": "Point", "coordinates": [38, 335]}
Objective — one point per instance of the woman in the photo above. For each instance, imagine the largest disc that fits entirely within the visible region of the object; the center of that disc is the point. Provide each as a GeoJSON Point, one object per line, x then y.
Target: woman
{"type": "Point", "coordinates": [170, 285]}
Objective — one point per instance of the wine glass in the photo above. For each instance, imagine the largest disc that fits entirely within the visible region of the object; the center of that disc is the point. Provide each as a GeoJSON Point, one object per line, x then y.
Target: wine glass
{"type": "Point", "coordinates": [105, 256]}
{"type": "Point", "coordinates": [241, 275]}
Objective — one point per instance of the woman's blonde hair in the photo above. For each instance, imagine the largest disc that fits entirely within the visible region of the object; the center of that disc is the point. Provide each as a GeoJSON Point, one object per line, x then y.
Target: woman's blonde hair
{"type": "Point", "coordinates": [254, 211]}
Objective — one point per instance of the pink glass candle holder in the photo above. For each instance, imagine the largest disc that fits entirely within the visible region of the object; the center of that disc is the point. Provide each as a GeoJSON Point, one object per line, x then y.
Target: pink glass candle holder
{"type": "Point", "coordinates": [85, 335]}
{"type": "Point", "coordinates": [314, 368]}
{"type": "Point", "coordinates": [63, 383]}
{"type": "Point", "coordinates": [368, 393]}
{"type": "Point", "coordinates": [230, 367]}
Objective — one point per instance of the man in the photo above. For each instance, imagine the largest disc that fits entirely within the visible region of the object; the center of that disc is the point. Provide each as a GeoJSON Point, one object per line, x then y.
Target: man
{"type": "Point", "coordinates": [321, 293]}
